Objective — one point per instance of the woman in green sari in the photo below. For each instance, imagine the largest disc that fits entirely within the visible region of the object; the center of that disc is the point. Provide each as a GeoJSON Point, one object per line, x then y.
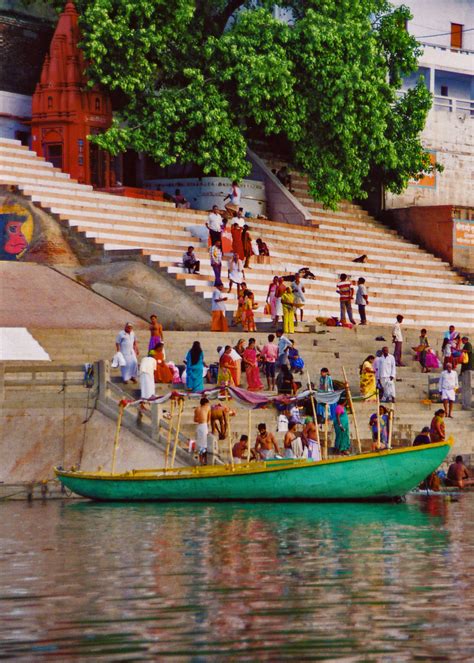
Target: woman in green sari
{"type": "Point", "coordinates": [341, 429]}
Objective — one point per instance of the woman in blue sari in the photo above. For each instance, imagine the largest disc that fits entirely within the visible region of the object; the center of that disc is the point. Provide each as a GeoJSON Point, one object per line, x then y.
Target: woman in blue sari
{"type": "Point", "coordinates": [195, 368]}
{"type": "Point", "coordinates": [326, 384]}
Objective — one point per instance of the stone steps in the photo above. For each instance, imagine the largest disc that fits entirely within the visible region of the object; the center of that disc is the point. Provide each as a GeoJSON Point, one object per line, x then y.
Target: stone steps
{"type": "Point", "coordinates": [397, 272]}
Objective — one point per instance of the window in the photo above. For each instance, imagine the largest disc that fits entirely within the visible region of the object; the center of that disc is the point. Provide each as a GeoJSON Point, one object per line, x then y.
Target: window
{"type": "Point", "coordinates": [456, 35]}
{"type": "Point", "coordinates": [444, 90]}
{"type": "Point", "coordinates": [50, 102]}
{"type": "Point", "coordinates": [54, 154]}
{"type": "Point", "coordinates": [97, 104]}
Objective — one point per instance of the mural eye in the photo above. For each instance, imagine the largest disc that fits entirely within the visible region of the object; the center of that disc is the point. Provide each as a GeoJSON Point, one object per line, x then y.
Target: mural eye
{"type": "Point", "coordinates": [12, 230]}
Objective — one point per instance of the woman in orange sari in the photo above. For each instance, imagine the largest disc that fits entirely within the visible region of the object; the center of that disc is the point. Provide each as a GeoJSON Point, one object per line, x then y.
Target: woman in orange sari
{"type": "Point", "coordinates": [251, 367]}
{"type": "Point", "coordinates": [237, 246]}
{"type": "Point", "coordinates": [227, 368]}
{"type": "Point", "coordinates": [162, 372]}
{"type": "Point", "coordinates": [248, 319]}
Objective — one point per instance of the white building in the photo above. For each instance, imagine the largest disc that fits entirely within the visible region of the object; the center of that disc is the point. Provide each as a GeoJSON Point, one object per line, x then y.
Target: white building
{"type": "Point", "coordinates": [445, 28]}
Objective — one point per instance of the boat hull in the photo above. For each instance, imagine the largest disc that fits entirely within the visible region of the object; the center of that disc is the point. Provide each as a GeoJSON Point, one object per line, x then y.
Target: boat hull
{"type": "Point", "coordinates": [373, 476]}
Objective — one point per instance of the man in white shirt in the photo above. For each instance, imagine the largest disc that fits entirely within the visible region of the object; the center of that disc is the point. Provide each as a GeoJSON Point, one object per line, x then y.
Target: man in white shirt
{"type": "Point", "coordinates": [240, 219]}
{"type": "Point", "coordinates": [126, 344]}
{"type": "Point", "coordinates": [214, 225]}
{"type": "Point", "coordinates": [386, 373]}
{"type": "Point", "coordinates": [362, 299]}
{"type": "Point", "coordinates": [397, 339]}
{"type": "Point", "coordinates": [218, 320]}
{"type": "Point", "coordinates": [147, 377]}
{"type": "Point", "coordinates": [447, 387]}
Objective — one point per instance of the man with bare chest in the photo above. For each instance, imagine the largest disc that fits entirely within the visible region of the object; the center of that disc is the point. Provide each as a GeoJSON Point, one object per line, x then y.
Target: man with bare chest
{"type": "Point", "coordinates": [266, 445]}
{"type": "Point", "coordinates": [202, 419]}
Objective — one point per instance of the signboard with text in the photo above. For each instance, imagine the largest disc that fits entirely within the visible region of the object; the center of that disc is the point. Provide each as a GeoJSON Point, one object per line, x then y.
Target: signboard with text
{"type": "Point", "coordinates": [464, 233]}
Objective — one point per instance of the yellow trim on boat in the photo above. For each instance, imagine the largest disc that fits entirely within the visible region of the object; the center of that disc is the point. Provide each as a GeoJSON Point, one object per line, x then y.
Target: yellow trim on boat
{"type": "Point", "coordinates": [192, 472]}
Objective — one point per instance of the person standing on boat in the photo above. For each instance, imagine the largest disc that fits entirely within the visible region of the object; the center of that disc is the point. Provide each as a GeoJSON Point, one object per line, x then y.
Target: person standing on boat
{"type": "Point", "coordinates": [290, 437]}
{"type": "Point", "coordinates": [126, 343]}
{"type": "Point", "coordinates": [265, 445]}
{"type": "Point", "coordinates": [202, 419]}
{"type": "Point", "coordinates": [341, 429]}
{"type": "Point", "coordinates": [386, 373]}
{"type": "Point", "coordinates": [447, 387]}
{"type": "Point", "coordinates": [310, 437]}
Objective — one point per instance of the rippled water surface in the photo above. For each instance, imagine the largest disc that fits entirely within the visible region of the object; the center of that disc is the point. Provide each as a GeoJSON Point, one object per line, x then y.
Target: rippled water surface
{"type": "Point", "coordinates": [271, 582]}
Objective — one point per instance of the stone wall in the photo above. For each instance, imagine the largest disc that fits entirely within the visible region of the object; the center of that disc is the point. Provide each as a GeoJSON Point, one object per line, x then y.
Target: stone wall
{"type": "Point", "coordinates": [436, 230]}
{"type": "Point", "coordinates": [66, 441]}
{"type": "Point", "coordinates": [451, 137]}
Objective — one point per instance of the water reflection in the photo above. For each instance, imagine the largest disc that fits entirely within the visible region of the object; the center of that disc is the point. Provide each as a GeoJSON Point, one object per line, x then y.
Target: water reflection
{"type": "Point", "coordinates": [265, 581]}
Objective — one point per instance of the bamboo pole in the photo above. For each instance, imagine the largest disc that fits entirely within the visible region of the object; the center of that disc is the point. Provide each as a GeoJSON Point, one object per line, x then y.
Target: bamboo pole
{"type": "Point", "coordinates": [313, 407]}
{"type": "Point", "coordinates": [326, 425]}
{"type": "Point", "coordinates": [178, 426]}
{"type": "Point", "coordinates": [391, 414]}
{"type": "Point", "coordinates": [229, 433]}
{"type": "Point", "coordinates": [249, 432]}
{"type": "Point", "coordinates": [116, 438]}
{"type": "Point", "coordinates": [378, 420]}
{"type": "Point", "coordinates": [349, 398]}
{"type": "Point", "coordinates": [168, 440]}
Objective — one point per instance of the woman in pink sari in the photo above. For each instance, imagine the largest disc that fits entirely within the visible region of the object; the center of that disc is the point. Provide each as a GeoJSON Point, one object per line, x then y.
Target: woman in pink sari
{"type": "Point", "coordinates": [251, 367]}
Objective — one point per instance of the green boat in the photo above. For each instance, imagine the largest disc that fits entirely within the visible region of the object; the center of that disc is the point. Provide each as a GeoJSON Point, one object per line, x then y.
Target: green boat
{"type": "Point", "coordinates": [372, 476]}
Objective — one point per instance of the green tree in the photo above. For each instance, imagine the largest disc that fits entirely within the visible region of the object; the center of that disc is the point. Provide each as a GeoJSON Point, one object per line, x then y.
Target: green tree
{"type": "Point", "coordinates": [194, 79]}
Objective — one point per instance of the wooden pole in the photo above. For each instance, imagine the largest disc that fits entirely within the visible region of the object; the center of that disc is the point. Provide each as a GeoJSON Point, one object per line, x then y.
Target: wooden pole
{"type": "Point", "coordinates": [229, 433]}
{"type": "Point", "coordinates": [313, 407]}
{"type": "Point", "coordinates": [168, 440]}
{"type": "Point", "coordinates": [178, 426]}
{"type": "Point", "coordinates": [391, 414]}
{"type": "Point", "coordinates": [249, 432]}
{"type": "Point", "coordinates": [378, 419]}
{"type": "Point", "coordinates": [326, 424]}
{"type": "Point", "coordinates": [116, 438]}
{"type": "Point", "coordinates": [351, 404]}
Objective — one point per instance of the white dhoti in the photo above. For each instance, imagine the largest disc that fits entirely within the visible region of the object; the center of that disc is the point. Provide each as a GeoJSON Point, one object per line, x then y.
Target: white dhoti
{"type": "Point", "coordinates": [147, 385]}
{"type": "Point", "coordinates": [130, 369]}
{"type": "Point", "coordinates": [314, 450]}
{"type": "Point", "coordinates": [266, 454]}
{"type": "Point", "coordinates": [201, 436]}
{"type": "Point", "coordinates": [388, 387]}
{"type": "Point", "coordinates": [278, 306]}
{"type": "Point", "coordinates": [236, 277]}
{"type": "Point", "coordinates": [448, 395]}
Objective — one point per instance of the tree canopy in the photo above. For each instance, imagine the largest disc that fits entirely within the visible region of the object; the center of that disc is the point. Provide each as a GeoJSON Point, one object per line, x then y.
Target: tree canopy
{"type": "Point", "coordinates": [196, 78]}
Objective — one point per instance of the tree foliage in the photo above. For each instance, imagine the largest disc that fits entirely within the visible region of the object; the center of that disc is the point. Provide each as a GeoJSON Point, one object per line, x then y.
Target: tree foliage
{"type": "Point", "coordinates": [196, 78]}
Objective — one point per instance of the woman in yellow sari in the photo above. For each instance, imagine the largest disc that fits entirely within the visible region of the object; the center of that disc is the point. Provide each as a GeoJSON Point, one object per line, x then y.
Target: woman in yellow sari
{"type": "Point", "coordinates": [368, 384]}
{"type": "Point", "coordinates": [288, 303]}
{"type": "Point", "coordinates": [227, 368]}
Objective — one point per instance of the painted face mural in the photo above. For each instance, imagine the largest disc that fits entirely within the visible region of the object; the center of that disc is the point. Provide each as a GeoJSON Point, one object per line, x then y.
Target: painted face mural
{"type": "Point", "coordinates": [16, 230]}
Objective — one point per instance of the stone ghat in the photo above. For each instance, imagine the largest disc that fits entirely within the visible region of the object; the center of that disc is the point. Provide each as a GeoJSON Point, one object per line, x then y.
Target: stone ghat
{"type": "Point", "coordinates": [402, 278]}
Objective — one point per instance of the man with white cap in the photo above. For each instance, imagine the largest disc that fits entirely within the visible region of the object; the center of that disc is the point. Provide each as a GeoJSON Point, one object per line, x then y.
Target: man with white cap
{"type": "Point", "coordinates": [126, 343]}
{"type": "Point", "coordinates": [447, 387]}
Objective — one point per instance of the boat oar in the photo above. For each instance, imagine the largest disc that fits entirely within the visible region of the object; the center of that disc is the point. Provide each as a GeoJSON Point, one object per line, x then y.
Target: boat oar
{"type": "Point", "coordinates": [229, 433]}
{"type": "Point", "coordinates": [351, 404]}
{"type": "Point", "coordinates": [326, 425]}
{"type": "Point", "coordinates": [249, 429]}
{"type": "Point", "coordinates": [117, 434]}
{"type": "Point", "coordinates": [378, 419]}
{"type": "Point", "coordinates": [391, 414]}
{"type": "Point", "coordinates": [168, 440]}
{"type": "Point", "coordinates": [178, 426]}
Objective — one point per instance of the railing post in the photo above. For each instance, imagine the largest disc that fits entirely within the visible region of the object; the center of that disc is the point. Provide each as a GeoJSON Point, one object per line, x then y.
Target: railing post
{"type": "Point", "coordinates": [156, 416]}
{"type": "Point", "coordinates": [103, 371]}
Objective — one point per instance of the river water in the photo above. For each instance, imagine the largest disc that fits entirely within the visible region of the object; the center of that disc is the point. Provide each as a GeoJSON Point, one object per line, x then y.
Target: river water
{"type": "Point", "coordinates": [247, 582]}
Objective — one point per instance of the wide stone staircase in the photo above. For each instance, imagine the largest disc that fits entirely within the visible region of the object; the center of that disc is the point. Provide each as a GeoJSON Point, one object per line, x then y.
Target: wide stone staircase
{"type": "Point", "coordinates": [334, 349]}
{"type": "Point", "coordinates": [402, 278]}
